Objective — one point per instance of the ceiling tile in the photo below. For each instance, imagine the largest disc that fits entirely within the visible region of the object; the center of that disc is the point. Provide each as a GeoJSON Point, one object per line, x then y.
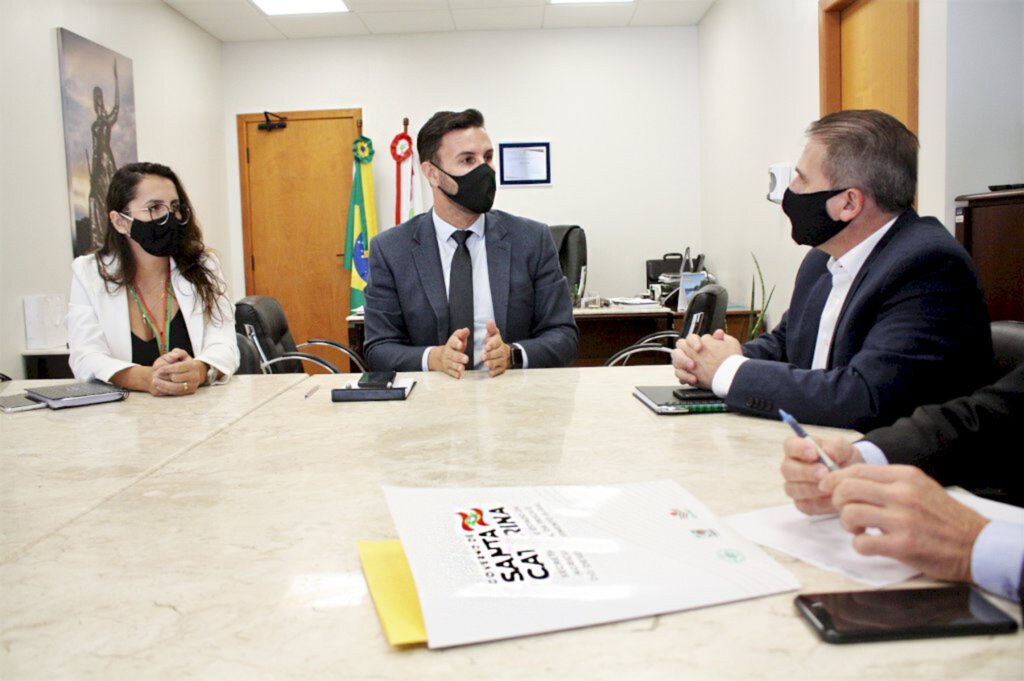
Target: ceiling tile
{"type": "Point", "coordinates": [477, 4]}
{"type": "Point", "coordinates": [202, 10]}
{"type": "Point", "coordinates": [241, 30]}
{"type": "Point", "coordinates": [588, 16]}
{"type": "Point", "coordinates": [394, 5]}
{"type": "Point", "coordinates": [498, 18]}
{"type": "Point", "coordinates": [319, 26]}
{"type": "Point", "coordinates": [431, 21]}
{"type": "Point", "coordinates": [669, 12]}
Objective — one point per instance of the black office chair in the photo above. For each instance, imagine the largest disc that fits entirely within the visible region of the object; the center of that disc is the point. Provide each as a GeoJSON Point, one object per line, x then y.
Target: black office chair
{"type": "Point", "coordinates": [262, 320]}
{"type": "Point", "coordinates": [704, 314]}
{"type": "Point", "coordinates": [571, 246]}
{"type": "Point", "coordinates": [1007, 346]}
{"type": "Point", "coordinates": [250, 357]}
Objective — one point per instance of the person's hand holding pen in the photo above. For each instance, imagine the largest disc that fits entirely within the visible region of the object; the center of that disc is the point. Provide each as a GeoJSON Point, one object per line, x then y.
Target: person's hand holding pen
{"type": "Point", "coordinates": [803, 471]}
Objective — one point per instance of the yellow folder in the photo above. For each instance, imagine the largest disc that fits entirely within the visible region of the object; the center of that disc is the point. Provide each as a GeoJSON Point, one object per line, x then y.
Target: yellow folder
{"type": "Point", "coordinates": [394, 591]}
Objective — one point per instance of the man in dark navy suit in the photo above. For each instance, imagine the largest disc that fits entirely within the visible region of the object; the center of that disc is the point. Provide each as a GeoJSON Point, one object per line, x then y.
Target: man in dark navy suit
{"type": "Point", "coordinates": [886, 314]}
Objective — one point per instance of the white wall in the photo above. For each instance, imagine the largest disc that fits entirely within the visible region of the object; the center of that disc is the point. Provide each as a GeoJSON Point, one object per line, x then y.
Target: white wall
{"type": "Point", "coordinates": [931, 114]}
{"type": "Point", "coordinates": [758, 92]}
{"type": "Point", "coordinates": [619, 107]}
{"type": "Point", "coordinates": [984, 97]}
{"type": "Point", "coordinates": [179, 108]}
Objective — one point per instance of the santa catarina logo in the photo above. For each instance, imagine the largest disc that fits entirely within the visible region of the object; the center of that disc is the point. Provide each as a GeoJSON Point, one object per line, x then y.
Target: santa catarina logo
{"type": "Point", "coordinates": [473, 519]}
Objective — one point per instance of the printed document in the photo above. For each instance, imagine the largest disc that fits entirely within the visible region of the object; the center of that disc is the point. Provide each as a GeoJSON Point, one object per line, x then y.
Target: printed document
{"type": "Point", "coordinates": [499, 562]}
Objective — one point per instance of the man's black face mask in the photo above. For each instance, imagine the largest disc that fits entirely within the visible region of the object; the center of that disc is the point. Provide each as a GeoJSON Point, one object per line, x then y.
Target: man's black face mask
{"type": "Point", "coordinates": [476, 188]}
{"type": "Point", "coordinates": [812, 225]}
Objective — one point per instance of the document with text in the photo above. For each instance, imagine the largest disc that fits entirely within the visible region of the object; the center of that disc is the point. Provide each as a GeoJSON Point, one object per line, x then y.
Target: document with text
{"type": "Point", "coordinates": [822, 541]}
{"type": "Point", "coordinates": [500, 562]}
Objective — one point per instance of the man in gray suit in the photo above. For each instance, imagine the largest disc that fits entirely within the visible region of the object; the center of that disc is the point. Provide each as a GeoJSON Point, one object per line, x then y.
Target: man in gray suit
{"type": "Point", "coordinates": [463, 286]}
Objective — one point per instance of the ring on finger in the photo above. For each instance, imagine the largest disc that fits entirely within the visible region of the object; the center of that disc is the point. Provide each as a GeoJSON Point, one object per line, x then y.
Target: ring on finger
{"type": "Point", "coordinates": [184, 387]}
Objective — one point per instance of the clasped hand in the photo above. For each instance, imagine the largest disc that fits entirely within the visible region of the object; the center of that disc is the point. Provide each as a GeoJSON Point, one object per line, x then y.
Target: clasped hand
{"type": "Point", "coordinates": [697, 358]}
{"type": "Point", "coordinates": [176, 373]}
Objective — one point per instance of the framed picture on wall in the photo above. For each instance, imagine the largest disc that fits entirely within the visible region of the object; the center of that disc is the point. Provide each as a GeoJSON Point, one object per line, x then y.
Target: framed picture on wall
{"type": "Point", "coordinates": [525, 163]}
{"type": "Point", "coordinates": [97, 95]}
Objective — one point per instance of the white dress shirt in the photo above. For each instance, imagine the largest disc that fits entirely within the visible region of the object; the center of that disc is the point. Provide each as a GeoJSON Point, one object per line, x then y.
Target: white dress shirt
{"type": "Point", "coordinates": [483, 305]}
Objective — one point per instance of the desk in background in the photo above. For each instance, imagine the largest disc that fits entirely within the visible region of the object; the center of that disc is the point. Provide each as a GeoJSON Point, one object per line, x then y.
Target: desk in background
{"type": "Point", "coordinates": [604, 331]}
{"type": "Point", "coordinates": [47, 363]}
{"type": "Point", "coordinates": [235, 557]}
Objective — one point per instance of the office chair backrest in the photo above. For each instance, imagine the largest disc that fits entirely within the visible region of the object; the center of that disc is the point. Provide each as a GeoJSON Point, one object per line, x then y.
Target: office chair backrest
{"type": "Point", "coordinates": [1008, 346]}
{"type": "Point", "coordinates": [250, 356]}
{"type": "Point", "coordinates": [706, 311]}
{"type": "Point", "coordinates": [266, 317]}
{"type": "Point", "coordinates": [571, 246]}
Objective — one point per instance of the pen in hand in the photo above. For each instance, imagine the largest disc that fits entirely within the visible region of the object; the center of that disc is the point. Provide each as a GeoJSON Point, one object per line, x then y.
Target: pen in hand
{"type": "Point", "coordinates": [799, 430]}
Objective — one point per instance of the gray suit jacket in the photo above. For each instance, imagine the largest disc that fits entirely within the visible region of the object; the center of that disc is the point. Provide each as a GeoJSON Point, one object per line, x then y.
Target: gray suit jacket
{"type": "Point", "coordinates": [407, 306]}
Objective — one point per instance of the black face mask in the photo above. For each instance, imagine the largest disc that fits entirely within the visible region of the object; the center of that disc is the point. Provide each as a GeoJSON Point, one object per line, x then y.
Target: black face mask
{"type": "Point", "coordinates": [159, 240]}
{"type": "Point", "coordinates": [476, 188]}
{"type": "Point", "coordinates": [812, 225]}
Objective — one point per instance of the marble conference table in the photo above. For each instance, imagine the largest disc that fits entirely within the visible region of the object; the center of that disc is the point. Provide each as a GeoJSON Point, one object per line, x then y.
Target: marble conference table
{"type": "Point", "coordinates": [216, 538]}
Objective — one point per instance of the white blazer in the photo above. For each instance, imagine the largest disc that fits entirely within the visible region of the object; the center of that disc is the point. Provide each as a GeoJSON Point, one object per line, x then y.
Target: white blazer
{"type": "Point", "coordinates": [99, 330]}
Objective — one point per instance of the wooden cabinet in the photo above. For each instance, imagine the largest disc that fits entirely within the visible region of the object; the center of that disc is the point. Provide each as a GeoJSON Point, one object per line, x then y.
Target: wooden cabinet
{"type": "Point", "coordinates": [991, 227]}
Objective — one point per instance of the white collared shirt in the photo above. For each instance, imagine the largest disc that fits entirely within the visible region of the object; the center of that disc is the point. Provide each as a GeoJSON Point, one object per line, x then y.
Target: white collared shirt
{"type": "Point", "coordinates": [844, 270]}
{"type": "Point", "coordinates": [483, 306]}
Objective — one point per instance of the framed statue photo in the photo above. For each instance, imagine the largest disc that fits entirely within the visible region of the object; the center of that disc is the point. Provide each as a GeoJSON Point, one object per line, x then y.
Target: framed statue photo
{"type": "Point", "coordinates": [98, 101]}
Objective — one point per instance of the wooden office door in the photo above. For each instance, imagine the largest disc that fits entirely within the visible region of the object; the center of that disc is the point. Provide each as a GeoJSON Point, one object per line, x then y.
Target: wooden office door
{"type": "Point", "coordinates": [869, 56]}
{"type": "Point", "coordinates": [296, 183]}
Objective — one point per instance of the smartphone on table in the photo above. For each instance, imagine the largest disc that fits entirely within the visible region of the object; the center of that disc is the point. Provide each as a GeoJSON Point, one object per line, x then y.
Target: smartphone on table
{"type": "Point", "coordinates": [377, 379]}
{"type": "Point", "coordinates": [14, 403]}
{"type": "Point", "coordinates": [899, 614]}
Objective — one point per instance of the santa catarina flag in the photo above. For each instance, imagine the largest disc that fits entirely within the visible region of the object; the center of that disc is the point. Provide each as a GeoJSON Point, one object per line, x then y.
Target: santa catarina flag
{"type": "Point", "coordinates": [407, 195]}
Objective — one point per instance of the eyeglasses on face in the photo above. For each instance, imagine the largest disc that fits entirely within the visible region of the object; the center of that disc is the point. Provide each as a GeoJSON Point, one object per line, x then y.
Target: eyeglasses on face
{"type": "Point", "coordinates": [159, 212]}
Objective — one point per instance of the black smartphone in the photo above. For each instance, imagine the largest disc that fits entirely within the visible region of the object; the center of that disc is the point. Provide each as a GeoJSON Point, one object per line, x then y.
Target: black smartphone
{"type": "Point", "coordinates": [899, 614]}
{"type": "Point", "coordinates": [377, 379]}
{"type": "Point", "coordinates": [695, 395]}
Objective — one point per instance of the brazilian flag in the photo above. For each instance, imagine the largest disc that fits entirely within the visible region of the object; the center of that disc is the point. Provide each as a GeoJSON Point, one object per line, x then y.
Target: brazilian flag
{"type": "Point", "coordinates": [362, 220]}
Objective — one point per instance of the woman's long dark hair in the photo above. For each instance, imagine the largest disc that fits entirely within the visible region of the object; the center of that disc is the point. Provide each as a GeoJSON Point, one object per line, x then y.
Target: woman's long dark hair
{"type": "Point", "coordinates": [190, 258]}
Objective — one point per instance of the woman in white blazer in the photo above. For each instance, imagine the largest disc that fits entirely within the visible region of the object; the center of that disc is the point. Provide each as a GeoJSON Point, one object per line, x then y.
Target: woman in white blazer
{"type": "Point", "coordinates": [149, 310]}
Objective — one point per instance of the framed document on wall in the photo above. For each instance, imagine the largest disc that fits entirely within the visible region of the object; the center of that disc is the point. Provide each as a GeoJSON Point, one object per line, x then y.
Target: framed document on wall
{"type": "Point", "coordinates": [525, 163]}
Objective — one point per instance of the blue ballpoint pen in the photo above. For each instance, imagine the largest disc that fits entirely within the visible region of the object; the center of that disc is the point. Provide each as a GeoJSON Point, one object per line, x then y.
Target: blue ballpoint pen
{"type": "Point", "coordinates": [799, 430]}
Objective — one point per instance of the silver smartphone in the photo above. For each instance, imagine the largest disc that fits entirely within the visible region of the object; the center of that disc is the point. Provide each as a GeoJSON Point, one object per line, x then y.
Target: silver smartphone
{"type": "Point", "coordinates": [13, 403]}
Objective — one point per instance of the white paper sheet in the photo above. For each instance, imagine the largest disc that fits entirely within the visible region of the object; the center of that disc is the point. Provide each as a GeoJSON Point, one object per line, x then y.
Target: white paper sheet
{"type": "Point", "coordinates": [500, 562]}
{"type": "Point", "coordinates": [822, 541]}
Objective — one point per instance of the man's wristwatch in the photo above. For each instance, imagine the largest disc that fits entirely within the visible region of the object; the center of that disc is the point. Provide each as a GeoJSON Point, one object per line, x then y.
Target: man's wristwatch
{"type": "Point", "coordinates": [516, 358]}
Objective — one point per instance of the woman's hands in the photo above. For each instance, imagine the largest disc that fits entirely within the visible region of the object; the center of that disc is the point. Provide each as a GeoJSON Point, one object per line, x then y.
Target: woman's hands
{"type": "Point", "coordinates": [176, 373]}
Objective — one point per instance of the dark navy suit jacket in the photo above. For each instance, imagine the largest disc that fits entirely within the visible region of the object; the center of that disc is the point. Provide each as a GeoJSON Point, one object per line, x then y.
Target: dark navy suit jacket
{"type": "Point", "coordinates": [913, 330]}
{"type": "Point", "coordinates": [407, 306]}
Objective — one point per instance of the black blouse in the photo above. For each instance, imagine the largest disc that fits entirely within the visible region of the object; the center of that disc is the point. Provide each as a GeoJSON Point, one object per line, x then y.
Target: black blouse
{"type": "Point", "coordinates": [147, 352]}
